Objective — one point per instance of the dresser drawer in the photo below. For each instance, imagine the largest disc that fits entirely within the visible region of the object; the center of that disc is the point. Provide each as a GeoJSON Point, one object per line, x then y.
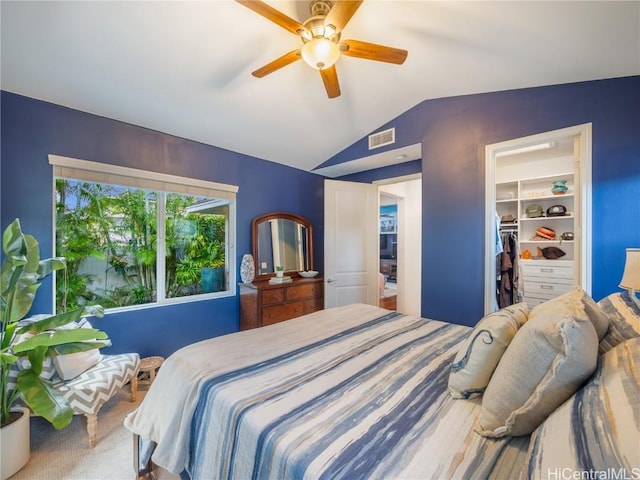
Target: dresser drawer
{"type": "Point", "coordinates": [273, 295]}
{"type": "Point", "coordinates": [313, 305]}
{"type": "Point", "coordinates": [304, 291]}
{"type": "Point", "coordinates": [279, 313]}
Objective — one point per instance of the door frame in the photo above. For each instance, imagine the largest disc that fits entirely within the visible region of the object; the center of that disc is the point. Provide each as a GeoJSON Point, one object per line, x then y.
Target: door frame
{"type": "Point", "coordinates": [582, 136]}
{"type": "Point", "coordinates": [409, 279]}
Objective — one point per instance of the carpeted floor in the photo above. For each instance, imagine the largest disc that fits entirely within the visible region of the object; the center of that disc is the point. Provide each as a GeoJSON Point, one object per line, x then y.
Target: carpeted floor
{"type": "Point", "coordinates": [65, 454]}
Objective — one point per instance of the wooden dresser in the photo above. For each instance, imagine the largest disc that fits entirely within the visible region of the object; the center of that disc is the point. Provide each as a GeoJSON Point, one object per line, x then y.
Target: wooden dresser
{"type": "Point", "coordinates": [262, 303]}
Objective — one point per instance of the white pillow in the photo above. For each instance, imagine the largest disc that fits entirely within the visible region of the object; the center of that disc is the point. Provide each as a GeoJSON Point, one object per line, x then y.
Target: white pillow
{"type": "Point", "coordinates": [547, 361]}
{"type": "Point", "coordinates": [481, 351]}
{"type": "Point", "coordinates": [71, 365]}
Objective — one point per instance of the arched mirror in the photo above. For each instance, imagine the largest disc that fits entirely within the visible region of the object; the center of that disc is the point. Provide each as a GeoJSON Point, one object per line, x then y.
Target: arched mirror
{"type": "Point", "coordinates": [281, 239]}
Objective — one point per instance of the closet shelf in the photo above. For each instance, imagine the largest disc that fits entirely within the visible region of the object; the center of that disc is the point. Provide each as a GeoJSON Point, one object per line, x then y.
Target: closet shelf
{"type": "Point", "coordinates": [547, 241]}
{"type": "Point", "coordinates": [527, 219]}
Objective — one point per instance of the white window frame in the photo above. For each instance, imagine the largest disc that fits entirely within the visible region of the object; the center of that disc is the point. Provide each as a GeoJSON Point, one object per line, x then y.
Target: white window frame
{"type": "Point", "coordinates": [89, 171]}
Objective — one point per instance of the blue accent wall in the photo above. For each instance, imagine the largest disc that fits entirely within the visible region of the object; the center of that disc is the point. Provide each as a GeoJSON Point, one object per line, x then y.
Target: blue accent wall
{"type": "Point", "coordinates": [454, 132]}
{"type": "Point", "coordinates": [32, 129]}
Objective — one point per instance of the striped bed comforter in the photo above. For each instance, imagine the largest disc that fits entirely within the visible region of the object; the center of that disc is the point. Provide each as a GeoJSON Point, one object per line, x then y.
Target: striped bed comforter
{"type": "Point", "coordinates": [355, 392]}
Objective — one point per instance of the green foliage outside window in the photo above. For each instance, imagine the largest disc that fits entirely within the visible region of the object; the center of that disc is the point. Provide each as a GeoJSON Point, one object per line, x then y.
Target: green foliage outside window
{"type": "Point", "coordinates": [109, 236]}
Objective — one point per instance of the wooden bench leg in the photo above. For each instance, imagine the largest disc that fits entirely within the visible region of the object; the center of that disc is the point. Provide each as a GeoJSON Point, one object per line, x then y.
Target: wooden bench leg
{"type": "Point", "coordinates": [134, 388]}
{"type": "Point", "coordinates": [92, 428]}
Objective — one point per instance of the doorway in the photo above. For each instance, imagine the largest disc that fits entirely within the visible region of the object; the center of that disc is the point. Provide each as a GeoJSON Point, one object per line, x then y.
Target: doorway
{"type": "Point", "coordinates": [352, 242]}
{"type": "Point", "coordinates": [400, 234]}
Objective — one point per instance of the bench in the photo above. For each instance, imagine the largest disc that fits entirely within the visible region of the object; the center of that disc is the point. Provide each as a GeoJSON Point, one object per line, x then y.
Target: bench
{"type": "Point", "coordinates": [90, 390]}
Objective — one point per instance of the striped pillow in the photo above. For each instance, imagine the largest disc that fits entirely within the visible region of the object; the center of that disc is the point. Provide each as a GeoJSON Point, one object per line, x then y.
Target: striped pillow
{"type": "Point", "coordinates": [597, 429]}
{"type": "Point", "coordinates": [624, 319]}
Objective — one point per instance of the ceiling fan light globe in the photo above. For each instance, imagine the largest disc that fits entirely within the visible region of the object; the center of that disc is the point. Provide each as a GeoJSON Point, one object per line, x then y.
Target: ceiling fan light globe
{"type": "Point", "coordinates": [320, 53]}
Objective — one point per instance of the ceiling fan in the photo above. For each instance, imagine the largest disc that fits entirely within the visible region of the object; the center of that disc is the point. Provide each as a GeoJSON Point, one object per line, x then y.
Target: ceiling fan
{"type": "Point", "coordinates": [320, 35]}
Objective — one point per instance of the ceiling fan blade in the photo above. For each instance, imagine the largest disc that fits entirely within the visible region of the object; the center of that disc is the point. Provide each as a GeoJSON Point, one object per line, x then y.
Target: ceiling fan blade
{"type": "Point", "coordinates": [278, 63]}
{"type": "Point", "coordinates": [274, 15]}
{"type": "Point", "coordinates": [330, 80]}
{"type": "Point", "coordinates": [372, 51]}
{"type": "Point", "coordinates": [341, 13]}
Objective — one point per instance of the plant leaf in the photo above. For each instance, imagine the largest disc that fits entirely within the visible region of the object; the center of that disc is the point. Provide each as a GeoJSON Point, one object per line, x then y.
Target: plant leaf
{"type": "Point", "coordinates": [36, 357]}
{"type": "Point", "coordinates": [68, 348]}
{"type": "Point", "coordinates": [41, 397]}
{"type": "Point", "coordinates": [7, 336]}
{"type": "Point", "coordinates": [59, 337]}
{"type": "Point", "coordinates": [61, 319]}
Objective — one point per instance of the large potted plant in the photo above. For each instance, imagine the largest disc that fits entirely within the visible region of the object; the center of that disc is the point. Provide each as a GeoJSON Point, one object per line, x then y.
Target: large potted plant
{"type": "Point", "coordinates": [20, 278]}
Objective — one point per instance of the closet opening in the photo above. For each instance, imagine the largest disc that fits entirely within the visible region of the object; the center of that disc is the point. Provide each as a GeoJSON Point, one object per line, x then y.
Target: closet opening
{"type": "Point", "coordinates": [538, 217]}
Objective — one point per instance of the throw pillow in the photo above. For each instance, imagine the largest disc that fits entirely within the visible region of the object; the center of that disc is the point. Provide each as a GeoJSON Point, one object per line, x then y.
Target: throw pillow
{"type": "Point", "coordinates": [48, 369]}
{"type": "Point", "coordinates": [624, 319]}
{"type": "Point", "coordinates": [481, 351]}
{"type": "Point", "coordinates": [547, 361]}
{"type": "Point", "coordinates": [71, 365]}
{"type": "Point", "coordinates": [597, 429]}
{"type": "Point", "coordinates": [597, 316]}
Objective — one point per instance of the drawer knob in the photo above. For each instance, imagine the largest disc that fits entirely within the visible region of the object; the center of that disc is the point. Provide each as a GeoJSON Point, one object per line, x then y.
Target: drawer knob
{"type": "Point", "coordinates": [547, 270]}
{"type": "Point", "coordinates": [546, 287]}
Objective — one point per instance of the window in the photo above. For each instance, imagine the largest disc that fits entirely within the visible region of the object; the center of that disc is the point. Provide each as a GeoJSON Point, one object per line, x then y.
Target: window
{"type": "Point", "coordinates": [134, 237]}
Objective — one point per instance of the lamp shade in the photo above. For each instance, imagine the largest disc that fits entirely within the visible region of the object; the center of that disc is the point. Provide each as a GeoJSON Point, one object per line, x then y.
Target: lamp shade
{"type": "Point", "coordinates": [631, 276]}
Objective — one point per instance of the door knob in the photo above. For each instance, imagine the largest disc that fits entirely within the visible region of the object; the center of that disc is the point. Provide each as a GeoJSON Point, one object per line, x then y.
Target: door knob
{"type": "Point", "coordinates": [331, 280]}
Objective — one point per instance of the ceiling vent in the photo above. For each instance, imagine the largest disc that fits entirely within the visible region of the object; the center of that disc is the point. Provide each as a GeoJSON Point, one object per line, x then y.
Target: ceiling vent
{"type": "Point", "coordinates": [380, 139]}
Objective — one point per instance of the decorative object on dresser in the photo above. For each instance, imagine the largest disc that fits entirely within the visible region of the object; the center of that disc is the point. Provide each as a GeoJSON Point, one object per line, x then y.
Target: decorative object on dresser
{"type": "Point", "coordinates": [247, 268]}
{"type": "Point", "coordinates": [631, 275]}
{"type": "Point", "coordinates": [308, 273]}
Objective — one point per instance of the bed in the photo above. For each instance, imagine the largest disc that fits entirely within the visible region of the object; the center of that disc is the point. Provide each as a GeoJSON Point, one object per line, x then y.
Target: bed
{"type": "Point", "coordinates": [350, 392]}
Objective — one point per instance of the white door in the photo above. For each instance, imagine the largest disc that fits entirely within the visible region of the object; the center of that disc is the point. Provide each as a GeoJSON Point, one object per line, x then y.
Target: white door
{"type": "Point", "coordinates": [351, 246]}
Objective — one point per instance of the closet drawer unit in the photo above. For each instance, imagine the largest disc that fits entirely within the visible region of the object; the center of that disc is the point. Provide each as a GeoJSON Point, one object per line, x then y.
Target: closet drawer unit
{"type": "Point", "coordinates": [546, 279]}
{"type": "Point", "coordinates": [273, 296]}
{"type": "Point", "coordinates": [279, 313]}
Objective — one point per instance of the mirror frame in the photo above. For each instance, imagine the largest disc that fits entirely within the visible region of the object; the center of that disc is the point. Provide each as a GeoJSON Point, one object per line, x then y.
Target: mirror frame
{"type": "Point", "coordinates": [285, 216]}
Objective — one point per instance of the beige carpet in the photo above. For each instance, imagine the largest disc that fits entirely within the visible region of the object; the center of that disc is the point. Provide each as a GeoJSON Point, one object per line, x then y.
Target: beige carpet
{"type": "Point", "coordinates": [65, 454]}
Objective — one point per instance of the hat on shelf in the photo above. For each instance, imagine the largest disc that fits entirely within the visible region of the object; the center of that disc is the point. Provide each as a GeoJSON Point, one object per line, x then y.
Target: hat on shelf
{"type": "Point", "coordinates": [556, 211]}
{"type": "Point", "coordinates": [534, 210]}
{"type": "Point", "coordinates": [546, 232]}
{"type": "Point", "coordinates": [507, 219]}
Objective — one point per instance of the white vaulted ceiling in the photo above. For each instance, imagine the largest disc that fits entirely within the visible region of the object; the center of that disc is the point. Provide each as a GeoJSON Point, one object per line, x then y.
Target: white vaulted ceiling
{"type": "Point", "coordinates": [184, 68]}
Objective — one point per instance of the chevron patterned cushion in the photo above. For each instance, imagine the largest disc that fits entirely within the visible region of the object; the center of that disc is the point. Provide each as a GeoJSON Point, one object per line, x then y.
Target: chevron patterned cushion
{"type": "Point", "coordinates": [90, 390]}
